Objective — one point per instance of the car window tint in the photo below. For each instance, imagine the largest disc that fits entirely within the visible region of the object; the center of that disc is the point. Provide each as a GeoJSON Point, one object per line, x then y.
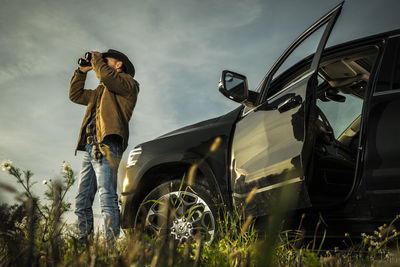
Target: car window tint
{"type": "Point", "coordinates": [389, 74]}
{"type": "Point", "coordinates": [304, 49]}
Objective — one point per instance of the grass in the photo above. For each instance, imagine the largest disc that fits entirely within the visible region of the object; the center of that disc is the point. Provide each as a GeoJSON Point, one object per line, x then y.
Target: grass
{"type": "Point", "coordinates": [33, 233]}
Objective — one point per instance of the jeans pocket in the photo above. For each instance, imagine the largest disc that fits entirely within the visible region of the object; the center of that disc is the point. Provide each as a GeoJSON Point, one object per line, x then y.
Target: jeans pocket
{"type": "Point", "coordinates": [114, 146]}
{"type": "Point", "coordinates": [112, 153]}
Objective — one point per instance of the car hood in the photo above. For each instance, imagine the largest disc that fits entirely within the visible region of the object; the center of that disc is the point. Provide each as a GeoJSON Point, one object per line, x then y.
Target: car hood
{"type": "Point", "coordinates": [192, 127]}
{"type": "Point", "coordinates": [191, 135]}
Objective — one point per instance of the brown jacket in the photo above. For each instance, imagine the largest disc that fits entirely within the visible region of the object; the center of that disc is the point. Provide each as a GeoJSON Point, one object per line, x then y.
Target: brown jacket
{"type": "Point", "coordinates": [114, 100]}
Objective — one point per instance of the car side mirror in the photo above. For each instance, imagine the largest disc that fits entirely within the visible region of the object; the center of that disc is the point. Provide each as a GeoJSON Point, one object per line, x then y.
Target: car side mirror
{"type": "Point", "coordinates": [234, 86]}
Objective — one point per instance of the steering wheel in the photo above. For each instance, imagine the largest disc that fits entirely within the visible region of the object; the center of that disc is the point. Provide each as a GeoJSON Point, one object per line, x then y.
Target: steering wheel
{"type": "Point", "coordinates": [324, 127]}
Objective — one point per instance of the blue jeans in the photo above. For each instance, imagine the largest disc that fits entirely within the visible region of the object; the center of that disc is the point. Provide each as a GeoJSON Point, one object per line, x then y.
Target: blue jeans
{"type": "Point", "coordinates": [98, 174]}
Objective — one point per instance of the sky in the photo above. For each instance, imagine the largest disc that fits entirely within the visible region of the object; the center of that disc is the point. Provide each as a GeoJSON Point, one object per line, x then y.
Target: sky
{"type": "Point", "coordinates": [179, 49]}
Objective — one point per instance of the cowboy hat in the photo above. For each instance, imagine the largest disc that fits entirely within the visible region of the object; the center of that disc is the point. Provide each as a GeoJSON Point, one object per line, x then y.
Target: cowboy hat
{"type": "Point", "coordinates": [129, 68]}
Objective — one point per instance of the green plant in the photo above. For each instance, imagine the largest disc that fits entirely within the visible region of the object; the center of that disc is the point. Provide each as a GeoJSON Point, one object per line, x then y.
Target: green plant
{"type": "Point", "coordinates": [42, 224]}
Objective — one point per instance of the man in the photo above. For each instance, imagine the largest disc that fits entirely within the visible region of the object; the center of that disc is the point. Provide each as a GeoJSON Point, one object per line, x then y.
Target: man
{"type": "Point", "coordinates": [103, 136]}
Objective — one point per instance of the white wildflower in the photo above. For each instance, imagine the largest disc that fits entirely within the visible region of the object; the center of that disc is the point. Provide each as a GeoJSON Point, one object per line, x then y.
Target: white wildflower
{"type": "Point", "coordinates": [6, 165]}
{"type": "Point", "coordinates": [22, 225]}
{"type": "Point", "coordinates": [66, 168]}
{"type": "Point", "coordinates": [363, 235]}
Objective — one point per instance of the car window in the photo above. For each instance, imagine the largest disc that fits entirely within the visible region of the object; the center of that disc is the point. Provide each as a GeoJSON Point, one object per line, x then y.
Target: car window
{"type": "Point", "coordinates": [341, 114]}
{"type": "Point", "coordinates": [304, 49]}
{"type": "Point", "coordinates": [291, 76]}
{"type": "Point", "coordinates": [342, 83]}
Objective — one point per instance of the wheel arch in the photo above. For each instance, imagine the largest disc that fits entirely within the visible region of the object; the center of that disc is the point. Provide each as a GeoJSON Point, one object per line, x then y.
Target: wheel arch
{"type": "Point", "coordinates": [168, 171]}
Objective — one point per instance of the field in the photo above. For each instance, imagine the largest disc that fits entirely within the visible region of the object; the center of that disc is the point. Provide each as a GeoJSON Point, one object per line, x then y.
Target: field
{"type": "Point", "coordinates": [33, 233]}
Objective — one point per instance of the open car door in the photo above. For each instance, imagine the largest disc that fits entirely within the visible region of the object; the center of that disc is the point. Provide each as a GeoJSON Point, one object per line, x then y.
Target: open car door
{"type": "Point", "coordinates": [272, 143]}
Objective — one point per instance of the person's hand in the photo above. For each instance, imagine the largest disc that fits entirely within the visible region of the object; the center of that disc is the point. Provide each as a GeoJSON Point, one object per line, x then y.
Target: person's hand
{"type": "Point", "coordinates": [85, 68]}
{"type": "Point", "coordinates": [95, 53]}
{"type": "Point", "coordinates": [88, 68]}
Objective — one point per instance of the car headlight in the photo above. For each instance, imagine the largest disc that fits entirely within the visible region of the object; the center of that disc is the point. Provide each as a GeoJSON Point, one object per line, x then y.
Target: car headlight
{"type": "Point", "coordinates": [133, 157]}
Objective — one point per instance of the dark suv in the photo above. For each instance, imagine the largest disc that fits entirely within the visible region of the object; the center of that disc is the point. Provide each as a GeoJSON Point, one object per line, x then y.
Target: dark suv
{"type": "Point", "coordinates": [322, 127]}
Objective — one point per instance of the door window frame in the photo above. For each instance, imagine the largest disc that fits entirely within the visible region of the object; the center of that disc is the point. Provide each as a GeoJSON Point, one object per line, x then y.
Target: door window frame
{"type": "Point", "coordinates": [329, 18]}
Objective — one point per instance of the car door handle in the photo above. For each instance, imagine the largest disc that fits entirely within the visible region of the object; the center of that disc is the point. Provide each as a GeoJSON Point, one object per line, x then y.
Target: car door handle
{"type": "Point", "coordinates": [290, 103]}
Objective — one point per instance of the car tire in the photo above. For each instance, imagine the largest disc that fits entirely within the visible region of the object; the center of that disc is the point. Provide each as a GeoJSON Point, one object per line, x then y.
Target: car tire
{"type": "Point", "coordinates": [179, 211]}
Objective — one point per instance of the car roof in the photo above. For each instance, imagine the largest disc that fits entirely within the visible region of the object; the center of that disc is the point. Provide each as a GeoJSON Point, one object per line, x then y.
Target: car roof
{"type": "Point", "coordinates": [361, 19]}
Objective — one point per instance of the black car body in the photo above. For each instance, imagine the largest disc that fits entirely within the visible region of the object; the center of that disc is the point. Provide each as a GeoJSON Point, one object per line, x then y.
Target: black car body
{"type": "Point", "coordinates": [321, 125]}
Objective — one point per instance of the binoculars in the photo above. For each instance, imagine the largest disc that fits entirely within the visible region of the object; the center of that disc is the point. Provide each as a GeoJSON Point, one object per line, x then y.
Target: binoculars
{"type": "Point", "coordinates": [82, 61]}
